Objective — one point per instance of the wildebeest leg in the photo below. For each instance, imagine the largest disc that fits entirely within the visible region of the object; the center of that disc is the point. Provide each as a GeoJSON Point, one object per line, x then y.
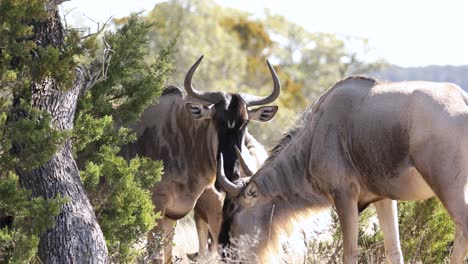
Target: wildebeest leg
{"type": "Point", "coordinates": [460, 246]}
{"type": "Point", "coordinates": [446, 173]}
{"type": "Point", "coordinates": [387, 213]}
{"type": "Point", "coordinates": [202, 233]}
{"type": "Point", "coordinates": [208, 216]}
{"type": "Point", "coordinates": [347, 209]}
{"type": "Point", "coordinates": [214, 216]}
{"type": "Point", "coordinates": [160, 241]}
{"type": "Point", "coordinates": [457, 206]}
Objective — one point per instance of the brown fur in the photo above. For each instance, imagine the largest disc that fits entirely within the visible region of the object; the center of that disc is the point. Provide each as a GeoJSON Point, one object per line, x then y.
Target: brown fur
{"type": "Point", "coordinates": [189, 149]}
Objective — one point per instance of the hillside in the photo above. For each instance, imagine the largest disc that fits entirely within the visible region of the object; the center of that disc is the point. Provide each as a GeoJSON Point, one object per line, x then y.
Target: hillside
{"type": "Point", "coordinates": [454, 74]}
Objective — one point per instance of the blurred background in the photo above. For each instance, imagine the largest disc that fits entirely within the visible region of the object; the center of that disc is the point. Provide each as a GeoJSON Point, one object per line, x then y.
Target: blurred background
{"type": "Point", "coordinates": [312, 44]}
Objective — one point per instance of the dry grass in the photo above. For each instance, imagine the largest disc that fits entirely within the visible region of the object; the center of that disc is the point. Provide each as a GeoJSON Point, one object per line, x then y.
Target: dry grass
{"type": "Point", "coordinates": [313, 241]}
{"type": "Point", "coordinates": [186, 241]}
{"type": "Point", "coordinates": [294, 248]}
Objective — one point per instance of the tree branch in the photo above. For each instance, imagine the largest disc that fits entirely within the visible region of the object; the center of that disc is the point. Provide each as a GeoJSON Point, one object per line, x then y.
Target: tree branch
{"type": "Point", "coordinates": [97, 72]}
{"type": "Point", "coordinates": [99, 29]}
{"type": "Point", "coordinates": [65, 14]}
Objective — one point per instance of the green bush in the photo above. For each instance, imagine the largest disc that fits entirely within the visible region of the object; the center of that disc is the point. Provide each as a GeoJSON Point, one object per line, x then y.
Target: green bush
{"type": "Point", "coordinates": [426, 231]}
{"type": "Point", "coordinates": [30, 217]}
{"type": "Point", "coordinates": [120, 190]}
{"type": "Point", "coordinates": [125, 210]}
{"type": "Point", "coordinates": [426, 234]}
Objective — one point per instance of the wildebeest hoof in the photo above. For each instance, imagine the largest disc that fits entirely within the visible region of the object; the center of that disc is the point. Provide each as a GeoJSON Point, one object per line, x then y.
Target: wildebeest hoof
{"type": "Point", "coordinates": [192, 256]}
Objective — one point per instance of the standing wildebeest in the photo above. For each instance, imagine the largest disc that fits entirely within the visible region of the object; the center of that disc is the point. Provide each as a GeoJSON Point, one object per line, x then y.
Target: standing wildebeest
{"type": "Point", "coordinates": [360, 143]}
{"type": "Point", "coordinates": [189, 134]}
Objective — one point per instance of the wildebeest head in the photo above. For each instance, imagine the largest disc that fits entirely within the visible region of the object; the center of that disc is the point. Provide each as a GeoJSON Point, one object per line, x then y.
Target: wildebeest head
{"type": "Point", "coordinates": [230, 114]}
{"type": "Point", "coordinates": [241, 215]}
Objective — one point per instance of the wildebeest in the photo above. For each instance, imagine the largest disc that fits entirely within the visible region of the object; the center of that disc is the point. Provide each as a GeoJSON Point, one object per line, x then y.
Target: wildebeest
{"type": "Point", "coordinates": [189, 133]}
{"type": "Point", "coordinates": [363, 142]}
{"type": "Point", "coordinates": [208, 209]}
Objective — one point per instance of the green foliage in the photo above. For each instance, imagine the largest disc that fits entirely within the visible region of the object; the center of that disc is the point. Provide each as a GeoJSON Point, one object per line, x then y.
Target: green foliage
{"type": "Point", "coordinates": [28, 138]}
{"type": "Point", "coordinates": [89, 129]}
{"type": "Point", "coordinates": [370, 239]}
{"type": "Point", "coordinates": [426, 235]}
{"type": "Point", "coordinates": [426, 231]}
{"type": "Point", "coordinates": [236, 46]}
{"type": "Point", "coordinates": [31, 217]}
{"type": "Point", "coordinates": [39, 144]}
{"type": "Point", "coordinates": [317, 60]}
{"type": "Point", "coordinates": [26, 150]}
{"type": "Point", "coordinates": [131, 83]}
{"type": "Point", "coordinates": [16, 48]}
{"type": "Point", "coordinates": [16, 45]}
{"type": "Point", "coordinates": [22, 60]}
{"type": "Point", "coordinates": [256, 44]}
{"type": "Point", "coordinates": [252, 34]}
{"type": "Point", "coordinates": [119, 192]}
{"type": "Point", "coordinates": [197, 25]}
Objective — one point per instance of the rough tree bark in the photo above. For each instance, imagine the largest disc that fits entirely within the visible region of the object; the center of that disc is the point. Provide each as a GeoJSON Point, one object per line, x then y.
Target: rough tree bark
{"type": "Point", "coordinates": [76, 236]}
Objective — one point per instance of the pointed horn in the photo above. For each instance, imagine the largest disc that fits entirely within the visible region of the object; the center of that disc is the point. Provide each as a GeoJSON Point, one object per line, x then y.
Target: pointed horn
{"type": "Point", "coordinates": [208, 97]}
{"type": "Point", "coordinates": [252, 100]}
{"type": "Point", "coordinates": [245, 167]}
{"type": "Point", "coordinates": [230, 187]}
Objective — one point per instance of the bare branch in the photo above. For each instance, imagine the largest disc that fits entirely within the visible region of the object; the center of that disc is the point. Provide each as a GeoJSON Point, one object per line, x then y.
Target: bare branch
{"type": "Point", "coordinates": [69, 11]}
{"type": "Point", "coordinates": [65, 14]}
{"type": "Point", "coordinates": [97, 72]}
{"type": "Point", "coordinates": [90, 18]}
{"type": "Point", "coordinates": [99, 29]}
{"type": "Point", "coordinates": [106, 57]}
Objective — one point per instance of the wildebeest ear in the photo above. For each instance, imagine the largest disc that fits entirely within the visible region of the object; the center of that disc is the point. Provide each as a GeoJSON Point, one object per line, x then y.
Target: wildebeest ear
{"type": "Point", "coordinates": [199, 111]}
{"type": "Point", "coordinates": [251, 190]}
{"type": "Point", "coordinates": [263, 114]}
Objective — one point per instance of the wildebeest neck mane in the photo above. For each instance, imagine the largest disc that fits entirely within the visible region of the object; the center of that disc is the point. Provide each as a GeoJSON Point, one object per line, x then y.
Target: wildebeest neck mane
{"type": "Point", "coordinates": [302, 120]}
{"type": "Point", "coordinates": [288, 163]}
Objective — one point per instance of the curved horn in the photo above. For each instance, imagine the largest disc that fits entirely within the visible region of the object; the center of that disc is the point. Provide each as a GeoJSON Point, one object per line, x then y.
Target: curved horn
{"type": "Point", "coordinates": [230, 187]}
{"type": "Point", "coordinates": [245, 167]}
{"type": "Point", "coordinates": [252, 100]}
{"type": "Point", "coordinates": [208, 97]}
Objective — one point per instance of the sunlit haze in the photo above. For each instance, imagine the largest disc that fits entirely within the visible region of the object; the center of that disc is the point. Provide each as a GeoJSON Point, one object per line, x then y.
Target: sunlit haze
{"type": "Point", "coordinates": [406, 33]}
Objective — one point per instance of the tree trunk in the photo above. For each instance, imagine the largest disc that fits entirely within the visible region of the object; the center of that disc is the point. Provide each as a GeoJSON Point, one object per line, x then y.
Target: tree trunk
{"type": "Point", "coordinates": [76, 236]}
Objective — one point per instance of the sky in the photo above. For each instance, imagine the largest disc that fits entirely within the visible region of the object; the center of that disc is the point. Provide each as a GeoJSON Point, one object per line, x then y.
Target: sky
{"type": "Point", "coordinates": [403, 32]}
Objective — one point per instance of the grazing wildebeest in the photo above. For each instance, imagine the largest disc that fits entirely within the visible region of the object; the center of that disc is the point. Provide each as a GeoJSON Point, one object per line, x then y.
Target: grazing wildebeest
{"type": "Point", "coordinates": [189, 133]}
{"type": "Point", "coordinates": [363, 142]}
{"type": "Point", "coordinates": [208, 209]}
